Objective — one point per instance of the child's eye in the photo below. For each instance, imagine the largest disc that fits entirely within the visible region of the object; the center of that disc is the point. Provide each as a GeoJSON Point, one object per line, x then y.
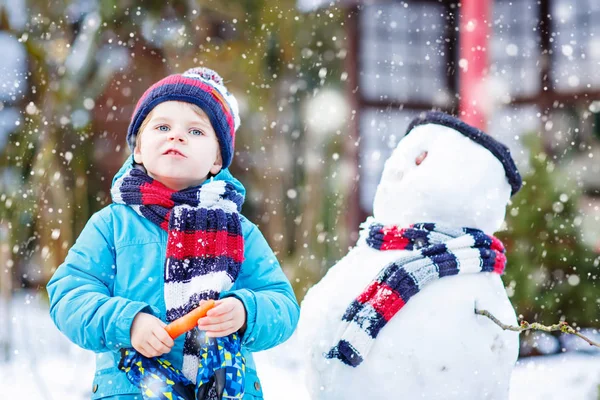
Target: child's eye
{"type": "Point", "coordinates": [163, 128]}
{"type": "Point", "coordinates": [196, 132]}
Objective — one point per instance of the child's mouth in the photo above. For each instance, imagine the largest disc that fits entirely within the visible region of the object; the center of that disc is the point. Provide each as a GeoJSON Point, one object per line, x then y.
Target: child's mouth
{"type": "Point", "coordinates": [173, 152]}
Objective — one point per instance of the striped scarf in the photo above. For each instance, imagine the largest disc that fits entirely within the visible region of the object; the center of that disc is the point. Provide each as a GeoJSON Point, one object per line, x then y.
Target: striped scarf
{"type": "Point", "coordinates": [433, 252]}
{"type": "Point", "coordinates": [205, 250]}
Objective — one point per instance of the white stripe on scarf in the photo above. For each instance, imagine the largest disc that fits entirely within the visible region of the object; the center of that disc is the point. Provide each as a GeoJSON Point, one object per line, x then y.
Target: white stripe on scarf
{"type": "Point", "coordinates": [177, 294]}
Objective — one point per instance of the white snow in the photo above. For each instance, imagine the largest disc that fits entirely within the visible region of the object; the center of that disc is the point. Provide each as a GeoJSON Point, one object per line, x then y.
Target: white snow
{"type": "Point", "coordinates": [45, 365]}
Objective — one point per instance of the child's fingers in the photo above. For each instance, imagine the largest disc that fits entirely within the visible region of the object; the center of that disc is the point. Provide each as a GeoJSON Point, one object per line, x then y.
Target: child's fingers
{"type": "Point", "coordinates": [212, 324]}
{"type": "Point", "coordinates": [210, 320]}
{"type": "Point", "coordinates": [220, 308]}
{"type": "Point", "coordinates": [158, 346]}
{"type": "Point", "coordinates": [220, 333]}
{"type": "Point", "coordinates": [215, 325]}
{"type": "Point", "coordinates": [216, 319]}
{"type": "Point", "coordinates": [164, 337]}
{"type": "Point", "coordinates": [147, 350]}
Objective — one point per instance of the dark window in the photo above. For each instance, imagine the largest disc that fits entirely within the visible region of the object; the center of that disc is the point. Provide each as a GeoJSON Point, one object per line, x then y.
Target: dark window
{"type": "Point", "coordinates": [575, 45]}
{"type": "Point", "coordinates": [515, 49]}
{"type": "Point", "coordinates": [403, 52]}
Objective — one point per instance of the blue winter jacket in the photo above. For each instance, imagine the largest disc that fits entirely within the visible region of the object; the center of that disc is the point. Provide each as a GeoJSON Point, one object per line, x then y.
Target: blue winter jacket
{"type": "Point", "coordinates": [115, 270]}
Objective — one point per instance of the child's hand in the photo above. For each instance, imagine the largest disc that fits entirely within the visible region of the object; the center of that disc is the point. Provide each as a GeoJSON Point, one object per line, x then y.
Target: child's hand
{"type": "Point", "coordinates": [149, 337]}
{"type": "Point", "coordinates": [226, 317]}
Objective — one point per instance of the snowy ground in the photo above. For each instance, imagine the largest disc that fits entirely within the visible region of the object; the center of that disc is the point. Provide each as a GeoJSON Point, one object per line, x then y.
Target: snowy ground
{"type": "Point", "coordinates": [45, 365]}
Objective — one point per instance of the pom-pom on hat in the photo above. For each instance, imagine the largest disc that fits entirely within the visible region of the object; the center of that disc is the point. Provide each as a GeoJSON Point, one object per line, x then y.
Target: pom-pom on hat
{"type": "Point", "coordinates": [200, 86]}
{"type": "Point", "coordinates": [499, 150]}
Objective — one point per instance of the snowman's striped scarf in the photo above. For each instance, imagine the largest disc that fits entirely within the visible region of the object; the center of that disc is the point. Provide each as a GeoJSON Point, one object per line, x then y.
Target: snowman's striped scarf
{"type": "Point", "coordinates": [435, 252]}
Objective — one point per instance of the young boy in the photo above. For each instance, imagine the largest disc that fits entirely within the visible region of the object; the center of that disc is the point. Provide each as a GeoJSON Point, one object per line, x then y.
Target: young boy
{"type": "Point", "coordinates": [172, 238]}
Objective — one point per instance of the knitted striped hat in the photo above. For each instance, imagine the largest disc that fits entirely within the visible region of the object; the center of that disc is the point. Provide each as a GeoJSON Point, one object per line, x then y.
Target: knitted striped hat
{"type": "Point", "coordinates": [499, 150]}
{"type": "Point", "coordinates": [200, 86]}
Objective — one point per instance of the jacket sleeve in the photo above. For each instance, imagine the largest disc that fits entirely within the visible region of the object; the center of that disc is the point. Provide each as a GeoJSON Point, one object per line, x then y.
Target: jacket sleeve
{"type": "Point", "coordinates": [272, 310]}
{"type": "Point", "coordinates": [80, 293]}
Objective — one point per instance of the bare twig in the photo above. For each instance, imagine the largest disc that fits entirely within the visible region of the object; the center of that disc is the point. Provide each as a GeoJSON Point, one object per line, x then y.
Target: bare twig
{"type": "Point", "coordinates": [536, 326]}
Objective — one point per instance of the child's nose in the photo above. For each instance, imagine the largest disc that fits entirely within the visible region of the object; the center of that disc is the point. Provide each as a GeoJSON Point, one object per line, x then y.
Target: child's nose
{"type": "Point", "coordinates": [177, 135]}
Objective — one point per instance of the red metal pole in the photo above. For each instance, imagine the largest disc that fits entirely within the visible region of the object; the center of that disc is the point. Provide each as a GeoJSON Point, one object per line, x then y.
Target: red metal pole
{"type": "Point", "coordinates": [473, 63]}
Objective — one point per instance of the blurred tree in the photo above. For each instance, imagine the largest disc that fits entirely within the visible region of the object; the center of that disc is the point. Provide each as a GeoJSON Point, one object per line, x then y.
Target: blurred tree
{"type": "Point", "coordinates": [295, 178]}
{"type": "Point", "coordinates": [550, 272]}
{"type": "Point", "coordinates": [52, 151]}
{"type": "Point", "coordinates": [90, 62]}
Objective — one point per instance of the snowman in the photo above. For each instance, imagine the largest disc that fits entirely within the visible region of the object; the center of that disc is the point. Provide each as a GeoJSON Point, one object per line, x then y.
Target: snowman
{"type": "Point", "coordinates": [395, 318]}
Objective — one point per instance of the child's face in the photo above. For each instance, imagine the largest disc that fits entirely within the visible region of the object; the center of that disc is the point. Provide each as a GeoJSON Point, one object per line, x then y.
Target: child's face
{"type": "Point", "coordinates": [178, 146]}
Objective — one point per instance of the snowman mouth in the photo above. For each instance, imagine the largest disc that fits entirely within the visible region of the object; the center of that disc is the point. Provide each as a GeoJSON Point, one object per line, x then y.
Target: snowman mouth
{"type": "Point", "coordinates": [420, 158]}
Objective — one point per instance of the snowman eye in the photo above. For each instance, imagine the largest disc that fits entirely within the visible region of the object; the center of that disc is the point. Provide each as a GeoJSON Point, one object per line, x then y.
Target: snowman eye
{"type": "Point", "coordinates": [420, 158]}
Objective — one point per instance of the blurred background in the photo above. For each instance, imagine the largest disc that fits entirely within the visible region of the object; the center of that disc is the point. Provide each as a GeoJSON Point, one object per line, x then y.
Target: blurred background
{"type": "Point", "coordinates": [326, 89]}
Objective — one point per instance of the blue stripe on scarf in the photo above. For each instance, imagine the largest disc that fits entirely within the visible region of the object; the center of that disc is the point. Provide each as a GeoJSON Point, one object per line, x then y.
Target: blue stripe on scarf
{"type": "Point", "coordinates": [193, 302]}
{"type": "Point", "coordinates": [446, 263]}
{"type": "Point", "coordinates": [132, 197]}
{"type": "Point", "coordinates": [154, 213]}
{"type": "Point", "coordinates": [352, 310]}
{"type": "Point", "coordinates": [212, 220]}
{"type": "Point", "coordinates": [232, 194]}
{"type": "Point", "coordinates": [187, 196]}
{"type": "Point", "coordinates": [401, 281]}
{"type": "Point", "coordinates": [136, 178]}
{"type": "Point", "coordinates": [488, 259]}
{"type": "Point", "coordinates": [190, 196]}
{"type": "Point", "coordinates": [375, 326]}
{"type": "Point", "coordinates": [375, 239]}
{"type": "Point", "coordinates": [481, 239]}
{"type": "Point", "coordinates": [364, 321]}
{"type": "Point", "coordinates": [346, 353]}
{"type": "Point", "coordinates": [185, 270]}
{"type": "Point", "coordinates": [419, 233]}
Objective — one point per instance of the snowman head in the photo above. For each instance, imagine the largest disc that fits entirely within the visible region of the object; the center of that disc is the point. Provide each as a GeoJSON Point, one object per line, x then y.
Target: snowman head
{"type": "Point", "coordinates": [447, 172]}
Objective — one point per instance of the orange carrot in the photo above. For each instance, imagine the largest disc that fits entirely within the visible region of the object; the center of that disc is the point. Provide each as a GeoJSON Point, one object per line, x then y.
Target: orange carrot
{"type": "Point", "coordinates": [189, 320]}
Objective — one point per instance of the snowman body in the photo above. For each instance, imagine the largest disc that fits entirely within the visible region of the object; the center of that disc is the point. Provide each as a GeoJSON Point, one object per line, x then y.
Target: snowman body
{"type": "Point", "coordinates": [435, 347]}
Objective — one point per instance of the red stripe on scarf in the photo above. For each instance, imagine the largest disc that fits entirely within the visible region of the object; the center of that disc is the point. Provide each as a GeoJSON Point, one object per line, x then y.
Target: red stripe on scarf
{"type": "Point", "coordinates": [155, 193]}
{"type": "Point", "coordinates": [165, 224]}
{"type": "Point", "coordinates": [382, 298]}
{"type": "Point", "coordinates": [499, 263]}
{"type": "Point", "coordinates": [393, 239]}
{"type": "Point", "coordinates": [184, 245]}
{"type": "Point", "coordinates": [497, 244]}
